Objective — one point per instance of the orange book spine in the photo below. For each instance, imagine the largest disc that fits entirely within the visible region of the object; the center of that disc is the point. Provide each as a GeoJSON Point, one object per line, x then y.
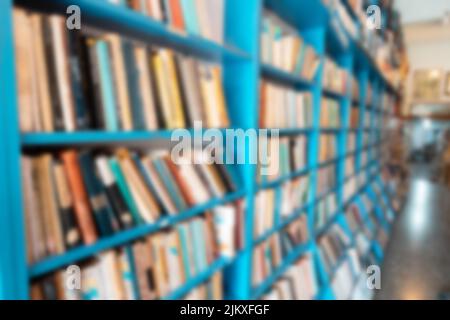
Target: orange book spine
{"type": "Point", "coordinates": [81, 201]}
{"type": "Point", "coordinates": [176, 14]}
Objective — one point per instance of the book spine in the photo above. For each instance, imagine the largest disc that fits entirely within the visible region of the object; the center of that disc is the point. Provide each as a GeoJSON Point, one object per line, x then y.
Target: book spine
{"type": "Point", "coordinates": [75, 41]}
{"type": "Point", "coordinates": [51, 71]}
{"type": "Point", "coordinates": [121, 211]}
{"type": "Point", "coordinates": [133, 85]}
{"type": "Point", "coordinates": [125, 191]}
{"type": "Point", "coordinates": [81, 203]}
{"type": "Point", "coordinates": [103, 213]}
{"type": "Point", "coordinates": [137, 162]}
{"type": "Point", "coordinates": [71, 234]}
{"type": "Point", "coordinates": [106, 86]}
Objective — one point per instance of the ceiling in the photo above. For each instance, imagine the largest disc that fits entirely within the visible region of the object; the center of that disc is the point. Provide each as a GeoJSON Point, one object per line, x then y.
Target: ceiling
{"type": "Point", "coordinates": [419, 11]}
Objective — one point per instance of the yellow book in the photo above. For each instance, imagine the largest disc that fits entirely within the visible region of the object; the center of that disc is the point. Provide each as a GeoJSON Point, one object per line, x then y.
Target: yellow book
{"type": "Point", "coordinates": [174, 89]}
{"type": "Point", "coordinates": [163, 90]}
{"type": "Point", "coordinates": [220, 97]}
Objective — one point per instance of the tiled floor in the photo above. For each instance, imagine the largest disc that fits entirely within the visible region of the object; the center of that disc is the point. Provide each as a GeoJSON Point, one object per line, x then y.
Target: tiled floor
{"type": "Point", "coordinates": [417, 259]}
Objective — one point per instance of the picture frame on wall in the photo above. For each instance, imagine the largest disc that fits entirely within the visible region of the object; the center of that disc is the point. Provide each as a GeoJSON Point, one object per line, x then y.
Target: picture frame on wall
{"type": "Point", "coordinates": [427, 84]}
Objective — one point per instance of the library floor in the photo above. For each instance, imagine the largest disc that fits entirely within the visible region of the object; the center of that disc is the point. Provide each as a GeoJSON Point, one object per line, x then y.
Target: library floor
{"type": "Point", "coordinates": [417, 260]}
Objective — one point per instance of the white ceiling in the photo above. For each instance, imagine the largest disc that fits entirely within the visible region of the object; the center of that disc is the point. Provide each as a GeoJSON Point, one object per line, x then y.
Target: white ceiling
{"type": "Point", "coordinates": [413, 11]}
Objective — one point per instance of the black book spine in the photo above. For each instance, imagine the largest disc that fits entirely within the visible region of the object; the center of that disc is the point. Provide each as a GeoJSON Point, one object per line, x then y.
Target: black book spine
{"type": "Point", "coordinates": [98, 117]}
{"type": "Point", "coordinates": [119, 206]}
{"type": "Point", "coordinates": [79, 83]}
{"type": "Point", "coordinates": [99, 202]}
{"type": "Point", "coordinates": [53, 81]}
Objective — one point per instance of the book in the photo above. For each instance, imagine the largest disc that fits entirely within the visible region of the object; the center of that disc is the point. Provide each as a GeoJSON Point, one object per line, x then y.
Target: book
{"type": "Point", "coordinates": [81, 203]}
{"type": "Point", "coordinates": [282, 107]}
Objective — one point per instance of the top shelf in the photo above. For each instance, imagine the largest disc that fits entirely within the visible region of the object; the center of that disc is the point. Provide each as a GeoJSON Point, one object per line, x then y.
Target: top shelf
{"type": "Point", "coordinates": [127, 22]}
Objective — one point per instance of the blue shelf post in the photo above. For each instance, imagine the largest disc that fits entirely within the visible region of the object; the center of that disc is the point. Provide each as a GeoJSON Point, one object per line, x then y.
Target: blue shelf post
{"type": "Point", "coordinates": [242, 91]}
{"type": "Point", "coordinates": [13, 264]}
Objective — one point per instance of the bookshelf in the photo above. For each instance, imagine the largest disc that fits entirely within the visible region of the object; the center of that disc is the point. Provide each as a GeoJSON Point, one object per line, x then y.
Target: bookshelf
{"type": "Point", "coordinates": [239, 57]}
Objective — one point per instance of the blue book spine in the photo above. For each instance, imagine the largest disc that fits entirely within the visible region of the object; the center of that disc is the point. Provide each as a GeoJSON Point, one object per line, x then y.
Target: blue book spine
{"type": "Point", "coordinates": [190, 16]}
{"type": "Point", "coordinates": [133, 85]}
{"type": "Point", "coordinates": [196, 247]}
{"type": "Point", "coordinates": [107, 86]}
{"type": "Point", "coordinates": [168, 181]}
{"type": "Point", "coordinates": [184, 249]}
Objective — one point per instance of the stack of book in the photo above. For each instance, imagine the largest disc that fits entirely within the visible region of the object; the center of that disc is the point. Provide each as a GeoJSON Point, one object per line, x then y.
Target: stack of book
{"type": "Point", "coordinates": [350, 187]}
{"type": "Point", "coordinates": [299, 282]}
{"type": "Point", "coordinates": [351, 141]}
{"type": "Point", "coordinates": [83, 79]}
{"type": "Point", "coordinates": [73, 198]}
{"type": "Point", "coordinates": [327, 147]}
{"type": "Point", "coordinates": [354, 118]}
{"type": "Point", "coordinates": [294, 195]}
{"type": "Point", "coordinates": [269, 255]}
{"type": "Point", "coordinates": [335, 79]}
{"type": "Point", "coordinates": [282, 107]}
{"type": "Point", "coordinates": [150, 268]}
{"type": "Point", "coordinates": [344, 279]}
{"type": "Point", "coordinates": [367, 119]}
{"type": "Point", "coordinates": [325, 211]}
{"type": "Point", "coordinates": [329, 114]}
{"type": "Point", "coordinates": [332, 246]}
{"type": "Point", "coordinates": [349, 165]}
{"type": "Point", "coordinates": [326, 179]}
{"type": "Point", "coordinates": [273, 205]}
{"type": "Point", "coordinates": [204, 18]}
{"type": "Point", "coordinates": [283, 48]}
{"type": "Point", "coordinates": [278, 158]}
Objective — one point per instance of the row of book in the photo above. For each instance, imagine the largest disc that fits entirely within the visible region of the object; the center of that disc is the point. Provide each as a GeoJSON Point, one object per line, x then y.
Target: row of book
{"type": "Point", "coordinates": [351, 185]}
{"type": "Point", "coordinates": [283, 107]}
{"type": "Point", "coordinates": [299, 282]}
{"type": "Point", "coordinates": [344, 278]}
{"type": "Point", "coordinates": [327, 147]}
{"type": "Point", "coordinates": [351, 141]}
{"type": "Point", "coordinates": [269, 255]}
{"type": "Point", "coordinates": [335, 78]}
{"type": "Point", "coordinates": [326, 178]}
{"type": "Point", "coordinates": [330, 114]}
{"type": "Point", "coordinates": [272, 206]}
{"type": "Point", "coordinates": [283, 48]}
{"type": "Point", "coordinates": [285, 155]}
{"type": "Point", "coordinates": [150, 268]}
{"type": "Point", "coordinates": [349, 165]}
{"type": "Point", "coordinates": [203, 18]}
{"type": "Point", "coordinates": [354, 118]}
{"type": "Point", "coordinates": [73, 198]}
{"type": "Point", "coordinates": [72, 80]}
{"type": "Point", "coordinates": [325, 211]}
{"type": "Point", "coordinates": [332, 246]}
